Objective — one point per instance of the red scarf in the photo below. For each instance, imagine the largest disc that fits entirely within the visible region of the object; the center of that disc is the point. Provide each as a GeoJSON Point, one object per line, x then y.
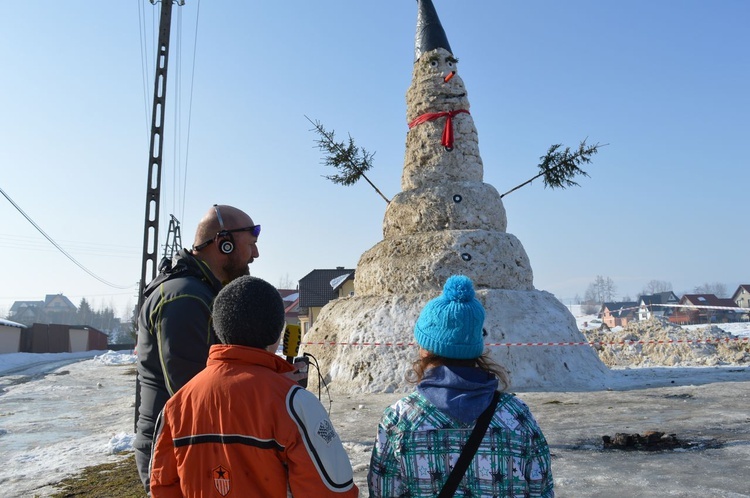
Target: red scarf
{"type": "Point", "coordinates": [447, 140]}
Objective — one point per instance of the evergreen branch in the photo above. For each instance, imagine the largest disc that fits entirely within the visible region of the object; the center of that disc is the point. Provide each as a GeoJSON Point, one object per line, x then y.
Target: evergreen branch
{"type": "Point", "coordinates": [346, 157]}
{"type": "Point", "coordinates": [559, 167]}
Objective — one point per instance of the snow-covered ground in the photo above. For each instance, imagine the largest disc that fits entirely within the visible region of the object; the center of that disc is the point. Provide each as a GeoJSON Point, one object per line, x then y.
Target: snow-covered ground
{"type": "Point", "coordinates": [62, 412]}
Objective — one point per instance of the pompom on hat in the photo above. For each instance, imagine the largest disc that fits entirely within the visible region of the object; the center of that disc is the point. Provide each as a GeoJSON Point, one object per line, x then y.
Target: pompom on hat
{"type": "Point", "coordinates": [451, 324]}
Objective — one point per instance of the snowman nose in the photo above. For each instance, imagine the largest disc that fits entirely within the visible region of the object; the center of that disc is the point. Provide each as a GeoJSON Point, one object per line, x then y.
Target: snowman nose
{"type": "Point", "coordinates": [449, 76]}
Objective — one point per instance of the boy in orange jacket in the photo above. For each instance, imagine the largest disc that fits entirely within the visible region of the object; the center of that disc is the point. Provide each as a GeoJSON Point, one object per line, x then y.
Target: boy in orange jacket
{"type": "Point", "coordinates": [242, 428]}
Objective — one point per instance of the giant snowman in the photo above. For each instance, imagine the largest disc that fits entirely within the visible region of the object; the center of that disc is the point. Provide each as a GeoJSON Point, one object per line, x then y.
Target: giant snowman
{"type": "Point", "coordinates": [446, 221]}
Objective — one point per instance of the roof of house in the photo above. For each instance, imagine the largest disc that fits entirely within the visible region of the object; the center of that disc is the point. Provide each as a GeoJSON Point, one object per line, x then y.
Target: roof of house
{"type": "Point", "coordinates": [623, 308]}
{"type": "Point", "coordinates": [337, 282]}
{"type": "Point", "coordinates": [319, 287]}
{"type": "Point", "coordinates": [288, 295]}
{"type": "Point", "coordinates": [659, 298]}
{"type": "Point", "coordinates": [49, 298]}
{"type": "Point", "coordinates": [86, 327]}
{"type": "Point", "coordinates": [745, 287]}
{"type": "Point", "coordinates": [291, 309]}
{"type": "Point", "coordinates": [707, 300]}
{"type": "Point", "coordinates": [291, 306]}
{"type": "Point", "coordinates": [8, 323]}
{"type": "Point", "coordinates": [18, 305]}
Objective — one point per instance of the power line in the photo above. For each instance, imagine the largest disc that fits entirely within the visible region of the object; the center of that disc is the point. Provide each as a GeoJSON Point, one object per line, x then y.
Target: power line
{"type": "Point", "coordinates": [34, 243]}
{"type": "Point", "coordinates": [58, 246]}
{"type": "Point", "coordinates": [190, 108]}
{"type": "Point", "coordinates": [144, 63]}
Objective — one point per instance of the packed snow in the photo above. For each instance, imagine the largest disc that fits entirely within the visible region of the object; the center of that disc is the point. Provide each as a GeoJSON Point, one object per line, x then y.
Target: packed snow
{"type": "Point", "coordinates": [63, 412]}
{"type": "Point", "coordinates": [60, 413]}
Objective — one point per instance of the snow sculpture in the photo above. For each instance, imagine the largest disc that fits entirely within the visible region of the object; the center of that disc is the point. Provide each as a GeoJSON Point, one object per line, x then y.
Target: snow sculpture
{"type": "Point", "coordinates": [446, 221]}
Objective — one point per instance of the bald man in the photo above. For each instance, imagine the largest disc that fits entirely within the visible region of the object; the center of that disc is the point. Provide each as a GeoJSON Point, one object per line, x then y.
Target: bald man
{"type": "Point", "coordinates": [175, 328]}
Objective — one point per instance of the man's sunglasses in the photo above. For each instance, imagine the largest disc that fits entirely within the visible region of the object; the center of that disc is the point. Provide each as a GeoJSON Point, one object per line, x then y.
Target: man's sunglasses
{"type": "Point", "coordinates": [254, 230]}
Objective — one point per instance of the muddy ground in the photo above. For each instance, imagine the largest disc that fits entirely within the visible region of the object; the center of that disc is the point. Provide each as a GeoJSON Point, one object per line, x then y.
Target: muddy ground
{"type": "Point", "coordinates": [710, 419]}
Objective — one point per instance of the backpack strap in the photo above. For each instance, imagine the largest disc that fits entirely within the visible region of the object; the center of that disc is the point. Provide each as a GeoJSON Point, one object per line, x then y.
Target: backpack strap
{"type": "Point", "coordinates": [470, 449]}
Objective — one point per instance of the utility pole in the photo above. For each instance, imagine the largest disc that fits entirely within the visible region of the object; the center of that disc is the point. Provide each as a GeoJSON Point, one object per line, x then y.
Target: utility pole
{"type": "Point", "coordinates": [153, 186]}
{"type": "Point", "coordinates": [174, 239]}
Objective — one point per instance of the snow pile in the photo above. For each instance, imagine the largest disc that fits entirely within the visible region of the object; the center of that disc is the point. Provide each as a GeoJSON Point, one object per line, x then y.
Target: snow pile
{"type": "Point", "coordinates": [120, 443]}
{"type": "Point", "coordinates": [653, 343]}
{"type": "Point", "coordinates": [116, 358]}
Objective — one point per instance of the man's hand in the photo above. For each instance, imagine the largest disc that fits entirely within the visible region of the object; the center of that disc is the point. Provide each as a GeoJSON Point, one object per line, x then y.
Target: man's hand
{"type": "Point", "coordinates": [299, 375]}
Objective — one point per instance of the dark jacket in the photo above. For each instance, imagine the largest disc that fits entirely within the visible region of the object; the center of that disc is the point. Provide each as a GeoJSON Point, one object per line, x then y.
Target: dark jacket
{"type": "Point", "coordinates": [175, 333]}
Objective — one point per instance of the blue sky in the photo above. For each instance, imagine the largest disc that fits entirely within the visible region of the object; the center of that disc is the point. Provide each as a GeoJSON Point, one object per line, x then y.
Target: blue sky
{"type": "Point", "coordinates": [664, 84]}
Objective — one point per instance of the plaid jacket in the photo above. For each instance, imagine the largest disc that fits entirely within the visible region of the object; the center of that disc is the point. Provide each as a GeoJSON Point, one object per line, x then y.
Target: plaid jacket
{"type": "Point", "coordinates": [418, 445]}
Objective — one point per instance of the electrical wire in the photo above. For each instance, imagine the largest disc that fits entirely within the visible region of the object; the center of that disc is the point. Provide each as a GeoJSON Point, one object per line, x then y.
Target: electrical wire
{"type": "Point", "coordinates": [144, 64]}
{"type": "Point", "coordinates": [79, 265]}
{"type": "Point", "coordinates": [176, 61]}
{"type": "Point", "coordinates": [190, 108]}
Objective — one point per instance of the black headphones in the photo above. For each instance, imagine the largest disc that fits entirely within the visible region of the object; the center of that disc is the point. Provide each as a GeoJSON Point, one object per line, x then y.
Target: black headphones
{"type": "Point", "coordinates": [223, 238]}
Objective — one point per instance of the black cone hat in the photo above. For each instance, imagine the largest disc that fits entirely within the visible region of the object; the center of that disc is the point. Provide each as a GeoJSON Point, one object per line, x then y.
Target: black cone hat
{"type": "Point", "coordinates": [430, 33]}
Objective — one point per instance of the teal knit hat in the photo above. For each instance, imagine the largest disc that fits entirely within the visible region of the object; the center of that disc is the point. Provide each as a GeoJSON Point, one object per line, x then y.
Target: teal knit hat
{"type": "Point", "coordinates": [451, 324]}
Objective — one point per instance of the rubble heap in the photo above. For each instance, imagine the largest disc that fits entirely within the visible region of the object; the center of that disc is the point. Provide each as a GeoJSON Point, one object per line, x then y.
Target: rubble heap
{"type": "Point", "coordinates": [652, 343]}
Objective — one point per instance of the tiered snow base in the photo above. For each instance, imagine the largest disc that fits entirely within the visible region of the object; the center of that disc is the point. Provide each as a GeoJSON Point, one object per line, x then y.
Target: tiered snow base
{"type": "Point", "coordinates": [512, 317]}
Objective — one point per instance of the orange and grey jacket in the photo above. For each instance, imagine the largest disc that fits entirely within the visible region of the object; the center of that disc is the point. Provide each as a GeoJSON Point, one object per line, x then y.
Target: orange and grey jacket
{"type": "Point", "coordinates": [239, 428]}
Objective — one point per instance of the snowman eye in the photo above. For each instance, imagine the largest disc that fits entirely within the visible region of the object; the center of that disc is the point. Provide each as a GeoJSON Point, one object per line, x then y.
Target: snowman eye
{"type": "Point", "coordinates": [433, 63]}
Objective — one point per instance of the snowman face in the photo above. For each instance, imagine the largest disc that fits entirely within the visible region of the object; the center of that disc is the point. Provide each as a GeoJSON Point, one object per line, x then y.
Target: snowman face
{"type": "Point", "coordinates": [436, 85]}
{"type": "Point", "coordinates": [442, 65]}
{"type": "Point", "coordinates": [437, 70]}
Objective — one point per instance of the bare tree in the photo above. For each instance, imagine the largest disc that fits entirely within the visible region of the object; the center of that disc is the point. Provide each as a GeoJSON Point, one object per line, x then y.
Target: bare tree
{"type": "Point", "coordinates": [286, 282]}
{"type": "Point", "coordinates": [655, 287]}
{"type": "Point", "coordinates": [716, 288]}
{"type": "Point", "coordinates": [601, 290]}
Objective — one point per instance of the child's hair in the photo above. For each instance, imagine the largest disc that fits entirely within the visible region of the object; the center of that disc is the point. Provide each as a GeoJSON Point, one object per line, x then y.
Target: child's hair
{"type": "Point", "coordinates": [483, 362]}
